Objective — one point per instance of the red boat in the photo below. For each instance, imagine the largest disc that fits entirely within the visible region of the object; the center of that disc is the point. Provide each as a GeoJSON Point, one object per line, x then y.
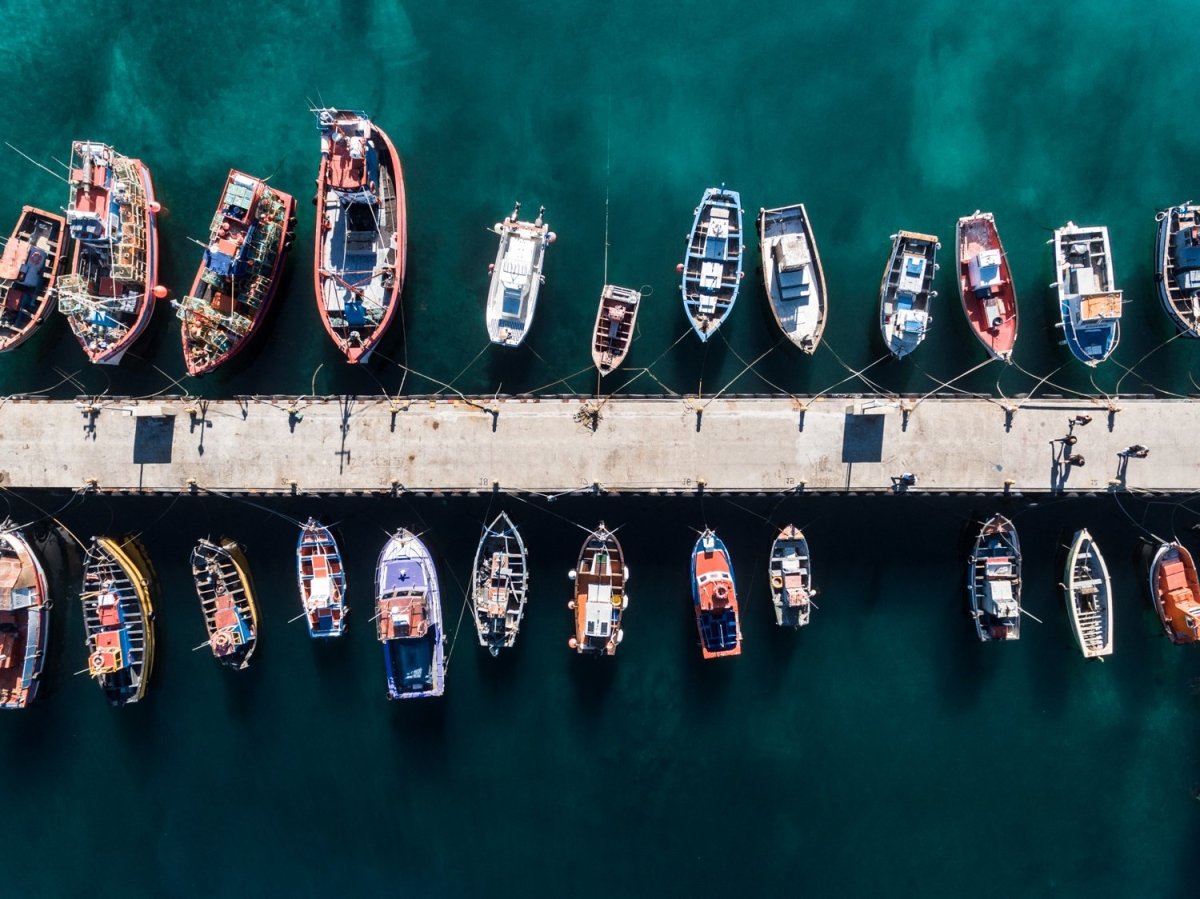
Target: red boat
{"type": "Point", "coordinates": [985, 285]}
{"type": "Point", "coordinates": [1176, 592]}
{"type": "Point", "coordinates": [28, 268]}
{"type": "Point", "coordinates": [24, 619]}
{"type": "Point", "coordinates": [108, 295]}
{"type": "Point", "coordinates": [247, 245]}
{"type": "Point", "coordinates": [361, 239]}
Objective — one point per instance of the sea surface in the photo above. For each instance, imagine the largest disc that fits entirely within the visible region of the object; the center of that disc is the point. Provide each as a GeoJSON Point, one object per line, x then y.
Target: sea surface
{"type": "Point", "coordinates": [881, 751]}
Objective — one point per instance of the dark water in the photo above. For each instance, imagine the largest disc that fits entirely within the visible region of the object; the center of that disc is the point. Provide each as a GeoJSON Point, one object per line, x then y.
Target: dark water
{"type": "Point", "coordinates": [881, 751]}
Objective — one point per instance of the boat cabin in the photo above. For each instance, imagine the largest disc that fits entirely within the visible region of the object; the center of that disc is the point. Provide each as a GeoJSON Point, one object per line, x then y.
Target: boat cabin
{"type": "Point", "coordinates": [998, 599]}
{"type": "Point", "coordinates": [1179, 600]}
{"type": "Point", "coordinates": [1187, 256]}
{"type": "Point", "coordinates": [601, 604]}
{"type": "Point", "coordinates": [230, 630]}
{"type": "Point", "coordinates": [403, 617]}
{"type": "Point", "coordinates": [110, 652]}
{"type": "Point", "coordinates": [792, 268]}
{"type": "Point", "coordinates": [984, 275]}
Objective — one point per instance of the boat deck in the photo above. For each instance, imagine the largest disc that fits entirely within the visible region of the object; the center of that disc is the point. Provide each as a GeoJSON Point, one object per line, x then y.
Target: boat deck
{"type": "Point", "coordinates": [835, 444]}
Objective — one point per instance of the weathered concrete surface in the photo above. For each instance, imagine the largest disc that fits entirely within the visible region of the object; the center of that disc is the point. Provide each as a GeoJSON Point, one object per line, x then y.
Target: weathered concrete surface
{"type": "Point", "coordinates": [639, 445]}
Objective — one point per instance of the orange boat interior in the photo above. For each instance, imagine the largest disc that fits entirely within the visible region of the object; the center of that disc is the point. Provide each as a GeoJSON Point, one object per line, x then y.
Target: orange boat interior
{"type": "Point", "coordinates": [714, 583]}
{"type": "Point", "coordinates": [1179, 593]}
{"type": "Point", "coordinates": [404, 616]}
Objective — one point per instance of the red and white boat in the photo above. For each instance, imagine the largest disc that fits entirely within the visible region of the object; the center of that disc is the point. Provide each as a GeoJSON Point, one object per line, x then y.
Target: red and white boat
{"type": "Point", "coordinates": [28, 268]}
{"type": "Point", "coordinates": [985, 284]}
{"type": "Point", "coordinates": [108, 294]}
{"type": "Point", "coordinates": [361, 240]}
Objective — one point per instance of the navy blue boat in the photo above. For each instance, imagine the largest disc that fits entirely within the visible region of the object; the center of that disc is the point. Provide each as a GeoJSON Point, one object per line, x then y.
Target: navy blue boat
{"type": "Point", "coordinates": [714, 598]}
{"type": "Point", "coordinates": [712, 268]}
{"type": "Point", "coordinates": [408, 614]}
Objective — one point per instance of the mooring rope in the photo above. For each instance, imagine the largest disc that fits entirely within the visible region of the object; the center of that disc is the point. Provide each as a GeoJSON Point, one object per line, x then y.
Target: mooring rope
{"type": "Point", "coordinates": [464, 369]}
{"type": "Point", "coordinates": [746, 368]}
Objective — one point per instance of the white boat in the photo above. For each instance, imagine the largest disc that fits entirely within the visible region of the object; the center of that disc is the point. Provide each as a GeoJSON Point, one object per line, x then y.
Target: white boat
{"type": "Point", "coordinates": [1088, 303]}
{"type": "Point", "coordinates": [1177, 266]}
{"type": "Point", "coordinates": [1088, 594]}
{"type": "Point", "coordinates": [792, 274]}
{"type": "Point", "coordinates": [907, 290]}
{"type": "Point", "coordinates": [499, 581]}
{"type": "Point", "coordinates": [516, 276]}
{"type": "Point", "coordinates": [790, 573]}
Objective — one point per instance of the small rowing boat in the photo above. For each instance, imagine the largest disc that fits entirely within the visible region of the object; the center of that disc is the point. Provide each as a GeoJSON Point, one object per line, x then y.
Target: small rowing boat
{"type": "Point", "coordinates": [907, 291]}
{"type": "Point", "coordinates": [1088, 303]}
{"type": "Point", "coordinates": [599, 598]}
{"type": "Point", "coordinates": [613, 332]}
{"type": "Point", "coordinates": [985, 284]}
{"type": "Point", "coordinates": [499, 581]}
{"type": "Point", "coordinates": [222, 580]}
{"type": "Point", "coordinates": [1088, 594]}
{"type": "Point", "coordinates": [712, 267]}
{"type": "Point", "coordinates": [790, 573]}
{"type": "Point", "coordinates": [994, 581]}
{"type": "Point", "coordinates": [322, 580]}
{"type": "Point", "coordinates": [1176, 592]}
{"type": "Point", "coordinates": [408, 616]}
{"type": "Point", "coordinates": [118, 618]}
{"type": "Point", "coordinates": [792, 274]}
{"type": "Point", "coordinates": [714, 598]}
{"type": "Point", "coordinates": [29, 267]}
{"type": "Point", "coordinates": [24, 618]}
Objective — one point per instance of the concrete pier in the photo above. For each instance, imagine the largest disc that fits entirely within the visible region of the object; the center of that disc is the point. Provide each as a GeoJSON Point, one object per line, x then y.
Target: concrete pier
{"type": "Point", "coordinates": [844, 444]}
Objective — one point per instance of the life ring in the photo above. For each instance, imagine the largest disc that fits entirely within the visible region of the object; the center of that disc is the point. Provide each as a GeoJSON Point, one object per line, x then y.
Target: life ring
{"type": "Point", "coordinates": [776, 581]}
{"type": "Point", "coordinates": [221, 639]}
{"type": "Point", "coordinates": [722, 591]}
{"type": "Point", "coordinates": [97, 661]}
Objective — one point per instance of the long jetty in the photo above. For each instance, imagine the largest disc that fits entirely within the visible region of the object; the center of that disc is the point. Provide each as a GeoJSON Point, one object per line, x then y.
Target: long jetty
{"type": "Point", "coordinates": [628, 445]}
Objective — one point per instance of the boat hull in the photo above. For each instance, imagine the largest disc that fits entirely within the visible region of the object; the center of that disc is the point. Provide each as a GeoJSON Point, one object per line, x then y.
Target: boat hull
{"type": "Point", "coordinates": [994, 581]}
{"type": "Point", "coordinates": [1089, 306]}
{"type": "Point", "coordinates": [29, 267]}
{"type": "Point", "coordinates": [712, 267]}
{"type": "Point", "coordinates": [1175, 592]}
{"type": "Point", "coordinates": [1087, 591]}
{"type": "Point", "coordinates": [109, 306]}
{"type": "Point", "coordinates": [614, 328]}
{"type": "Point", "coordinates": [24, 618]}
{"type": "Point", "coordinates": [321, 580]}
{"type": "Point", "coordinates": [118, 616]}
{"type": "Point", "coordinates": [600, 598]}
{"type": "Point", "coordinates": [499, 584]}
{"type": "Point", "coordinates": [714, 598]}
{"type": "Point", "coordinates": [906, 292]}
{"type": "Point", "coordinates": [792, 275]}
{"type": "Point", "coordinates": [224, 310]}
{"type": "Point", "coordinates": [226, 593]}
{"type": "Point", "coordinates": [516, 278]}
{"type": "Point", "coordinates": [985, 285]}
{"type": "Point", "coordinates": [789, 572]}
{"type": "Point", "coordinates": [1180, 300]}
{"type": "Point", "coordinates": [407, 593]}
{"type": "Point", "coordinates": [357, 305]}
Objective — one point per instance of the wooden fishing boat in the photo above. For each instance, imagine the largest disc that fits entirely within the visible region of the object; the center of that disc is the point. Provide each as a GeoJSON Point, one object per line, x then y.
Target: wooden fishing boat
{"type": "Point", "coordinates": [1176, 592]}
{"type": "Point", "coordinates": [714, 598]}
{"type": "Point", "coordinates": [361, 231]}
{"type": "Point", "coordinates": [247, 244]}
{"type": "Point", "coordinates": [109, 292]}
{"type": "Point", "coordinates": [24, 618]}
{"type": "Point", "coordinates": [906, 293]}
{"type": "Point", "coordinates": [29, 267]}
{"type": "Point", "coordinates": [994, 581]}
{"type": "Point", "coordinates": [226, 593]}
{"type": "Point", "coordinates": [118, 618]}
{"type": "Point", "coordinates": [499, 582]}
{"type": "Point", "coordinates": [792, 274]}
{"type": "Point", "coordinates": [712, 268]}
{"type": "Point", "coordinates": [985, 284]}
{"type": "Point", "coordinates": [516, 276]}
{"type": "Point", "coordinates": [1177, 266]}
{"type": "Point", "coordinates": [408, 615]}
{"type": "Point", "coordinates": [599, 598]}
{"type": "Point", "coordinates": [790, 574]}
{"type": "Point", "coordinates": [1088, 594]}
{"type": "Point", "coordinates": [322, 580]}
{"type": "Point", "coordinates": [614, 326]}
{"type": "Point", "coordinates": [1088, 303]}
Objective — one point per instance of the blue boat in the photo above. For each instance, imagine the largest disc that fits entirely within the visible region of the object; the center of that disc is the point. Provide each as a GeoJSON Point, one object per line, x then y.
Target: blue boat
{"type": "Point", "coordinates": [322, 580]}
{"type": "Point", "coordinates": [1088, 302]}
{"type": "Point", "coordinates": [714, 598]}
{"type": "Point", "coordinates": [712, 269]}
{"type": "Point", "coordinates": [408, 615]}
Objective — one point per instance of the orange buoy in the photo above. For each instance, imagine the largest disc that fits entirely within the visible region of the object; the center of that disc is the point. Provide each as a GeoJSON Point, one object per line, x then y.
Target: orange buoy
{"type": "Point", "coordinates": [679, 268]}
{"type": "Point", "coordinates": [160, 292]}
{"type": "Point", "coordinates": [573, 643]}
{"type": "Point", "coordinates": [156, 207]}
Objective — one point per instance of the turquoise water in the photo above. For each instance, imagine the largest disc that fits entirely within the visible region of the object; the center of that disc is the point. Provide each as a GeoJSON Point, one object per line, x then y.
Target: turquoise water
{"type": "Point", "coordinates": [881, 751]}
